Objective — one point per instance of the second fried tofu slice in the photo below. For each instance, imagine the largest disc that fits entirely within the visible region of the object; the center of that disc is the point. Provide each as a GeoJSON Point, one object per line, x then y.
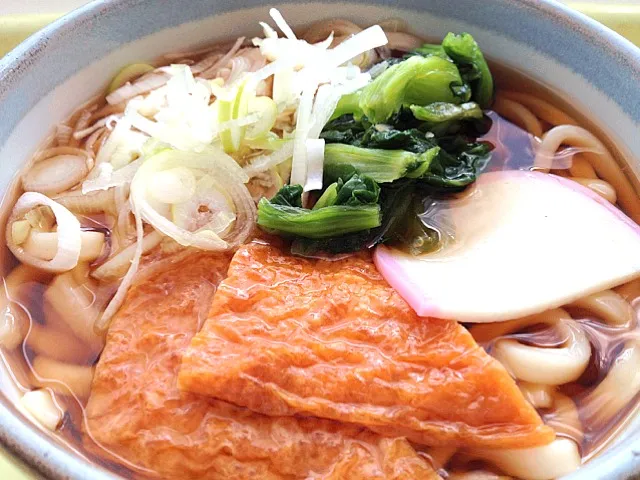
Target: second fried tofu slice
{"type": "Point", "coordinates": [331, 339]}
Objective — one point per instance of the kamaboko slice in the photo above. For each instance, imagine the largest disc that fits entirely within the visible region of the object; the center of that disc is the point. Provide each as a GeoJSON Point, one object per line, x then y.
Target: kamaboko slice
{"type": "Point", "coordinates": [514, 244]}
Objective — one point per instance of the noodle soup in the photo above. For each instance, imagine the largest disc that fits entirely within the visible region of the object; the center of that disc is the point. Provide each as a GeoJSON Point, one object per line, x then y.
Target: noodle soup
{"type": "Point", "coordinates": [134, 219]}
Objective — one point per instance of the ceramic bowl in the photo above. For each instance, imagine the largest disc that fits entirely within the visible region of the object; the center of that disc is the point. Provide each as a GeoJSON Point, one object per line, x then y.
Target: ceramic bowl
{"type": "Point", "coordinates": [55, 70]}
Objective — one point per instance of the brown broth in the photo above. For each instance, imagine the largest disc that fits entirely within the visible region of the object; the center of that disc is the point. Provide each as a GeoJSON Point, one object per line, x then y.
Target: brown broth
{"type": "Point", "coordinates": [507, 78]}
{"type": "Point", "coordinates": [513, 150]}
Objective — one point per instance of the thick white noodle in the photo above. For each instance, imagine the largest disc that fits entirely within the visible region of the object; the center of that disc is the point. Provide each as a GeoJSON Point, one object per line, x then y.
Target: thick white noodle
{"type": "Point", "coordinates": [546, 366]}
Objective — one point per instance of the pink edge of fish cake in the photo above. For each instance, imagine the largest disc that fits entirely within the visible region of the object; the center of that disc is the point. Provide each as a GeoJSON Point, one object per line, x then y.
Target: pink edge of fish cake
{"type": "Point", "coordinates": [387, 265]}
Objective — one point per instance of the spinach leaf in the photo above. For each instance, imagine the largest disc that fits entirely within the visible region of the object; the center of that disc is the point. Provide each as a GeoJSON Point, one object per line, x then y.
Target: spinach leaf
{"type": "Point", "coordinates": [405, 228]}
{"type": "Point", "coordinates": [349, 206]}
{"type": "Point", "coordinates": [344, 129]}
{"type": "Point", "coordinates": [445, 118]}
{"type": "Point", "coordinates": [289, 195]}
{"type": "Point", "coordinates": [429, 49]}
{"type": "Point", "coordinates": [440, 112]}
{"type": "Point", "coordinates": [414, 81]}
{"type": "Point", "coordinates": [383, 166]}
{"type": "Point", "coordinates": [466, 53]}
{"type": "Point", "coordinates": [456, 168]}
{"type": "Point", "coordinates": [325, 222]}
{"type": "Point", "coordinates": [357, 190]}
{"type": "Point", "coordinates": [401, 134]}
{"type": "Point", "coordinates": [401, 204]}
{"type": "Point", "coordinates": [412, 140]}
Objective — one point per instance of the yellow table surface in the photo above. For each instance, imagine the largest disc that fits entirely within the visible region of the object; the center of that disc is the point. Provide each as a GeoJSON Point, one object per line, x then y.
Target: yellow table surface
{"type": "Point", "coordinates": [625, 19]}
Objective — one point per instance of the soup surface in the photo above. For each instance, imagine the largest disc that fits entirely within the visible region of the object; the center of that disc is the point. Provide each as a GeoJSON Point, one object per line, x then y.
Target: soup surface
{"type": "Point", "coordinates": [220, 267]}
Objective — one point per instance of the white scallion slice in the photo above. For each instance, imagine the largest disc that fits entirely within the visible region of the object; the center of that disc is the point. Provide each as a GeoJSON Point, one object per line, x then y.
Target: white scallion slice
{"type": "Point", "coordinates": [68, 227]}
{"type": "Point", "coordinates": [233, 106]}
{"type": "Point", "coordinates": [20, 230]}
{"type": "Point", "coordinates": [209, 208]}
{"type": "Point", "coordinates": [128, 73]}
{"type": "Point", "coordinates": [107, 178]}
{"type": "Point", "coordinates": [102, 323]}
{"type": "Point", "coordinates": [303, 124]}
{"type": "Point", "coordinates": [282, 24]}
{"type": "Point", "coordinates": [44, 245]}
{"type": "Point", "coordinates": [116, 267]}
{"type": "Point", "coordinates": [122, 145]}
{"type": "Point", "coordinates": [174, 185]}
{"type": "Point", "coordinates": [40, 404]}
{"type": "Point", "coordinates": [368, 39]}
{"type": "Point", "coordinates": [266, 162]}
{"type": "Point", "coordinates": [283, 92]}
{"type": "Point", "coordinates": [267, 111]}
{"type": "Point", "coordinates": [269, 141]}
{"type": "Point", "coordinates": [224, 173]}
{"type": "Point", "coordinates": [315, 164]}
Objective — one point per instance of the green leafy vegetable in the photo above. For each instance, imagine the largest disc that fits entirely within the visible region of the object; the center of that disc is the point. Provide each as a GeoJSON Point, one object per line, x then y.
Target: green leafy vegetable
{"type": "Point", "coordinates": [393, 200]}
{"type": "Point", "coordinates": [322, 223]}
{"type": "Point", "coordinates": [459, 166]}
{"type": "Point", "coordinates": [345, 208]}
{"type": "Point", "coordinates": [413, 130]}
{"type": "Point", "coordinates": [446, 118]}
{"type": "Point", "coordinates": [466, 53]}
{"type": "Point", "coordinates": [440, 112]}
{"type": "Point", "coordinates": [401, 204]}
{"type": "Point", "coordinates": [412, 140]}
{"type": "Point", "coordinates": [328, 198]}
{"type": "Point", "coordinates": [357, 190]}
{"type": "Point", "coordinates": [387, 154]}
{"type": "Point", "coordinates": [289, 195]}
{"type": "Point", "coordinates": [415, 81]}
{"type": "Point", "coordinates": [346, 129]}
{"type": "Point", "coordinates": [431, 49]}
{"type": "Point", "coordinates": [383, 166]}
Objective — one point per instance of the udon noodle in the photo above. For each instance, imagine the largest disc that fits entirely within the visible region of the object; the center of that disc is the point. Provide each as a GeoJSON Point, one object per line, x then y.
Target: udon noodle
{"type": "Point", "coordinates": [577, 365]}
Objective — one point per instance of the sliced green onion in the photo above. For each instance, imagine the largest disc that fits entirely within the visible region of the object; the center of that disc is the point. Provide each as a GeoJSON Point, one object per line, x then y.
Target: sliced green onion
{"type": "Point", "coordinates": [174, 185]}
{"type": "Point", "coordinates": [269, 141]}
{"type": "Point", "coordinates": [267, 112]}
{"type": "Point", "coordinates": [233, 106]}
{"type": "Point", "coordinates": [283, 89]}
{"type": "Point", "coordinates": [20, 231]}
{"type": "Point", "coordinates": [220, 173]}
{"type": "Point", "coordinates": [225, 114]}
{"type": "Point", "coordinates": [328, 198]}
{"type": "Point", "coordinates": [209, 208]}
{"type": "Point", "coordinates": [129, 73]}
{"type": "Point", "coordinates": [69, 240]}
{"type": "Point", "coordinates": [41, 218]}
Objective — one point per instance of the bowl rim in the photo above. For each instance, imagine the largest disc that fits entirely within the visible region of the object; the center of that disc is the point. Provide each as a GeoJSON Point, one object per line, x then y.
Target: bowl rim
{"type": "Point", "coordinates": [40, 454]}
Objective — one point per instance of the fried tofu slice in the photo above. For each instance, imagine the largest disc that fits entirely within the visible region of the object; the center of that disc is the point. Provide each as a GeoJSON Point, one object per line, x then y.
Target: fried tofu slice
{"type": "Point", "coordinates": [137, 413]}
{"type": "Point", "coordinates": [293, 336]}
